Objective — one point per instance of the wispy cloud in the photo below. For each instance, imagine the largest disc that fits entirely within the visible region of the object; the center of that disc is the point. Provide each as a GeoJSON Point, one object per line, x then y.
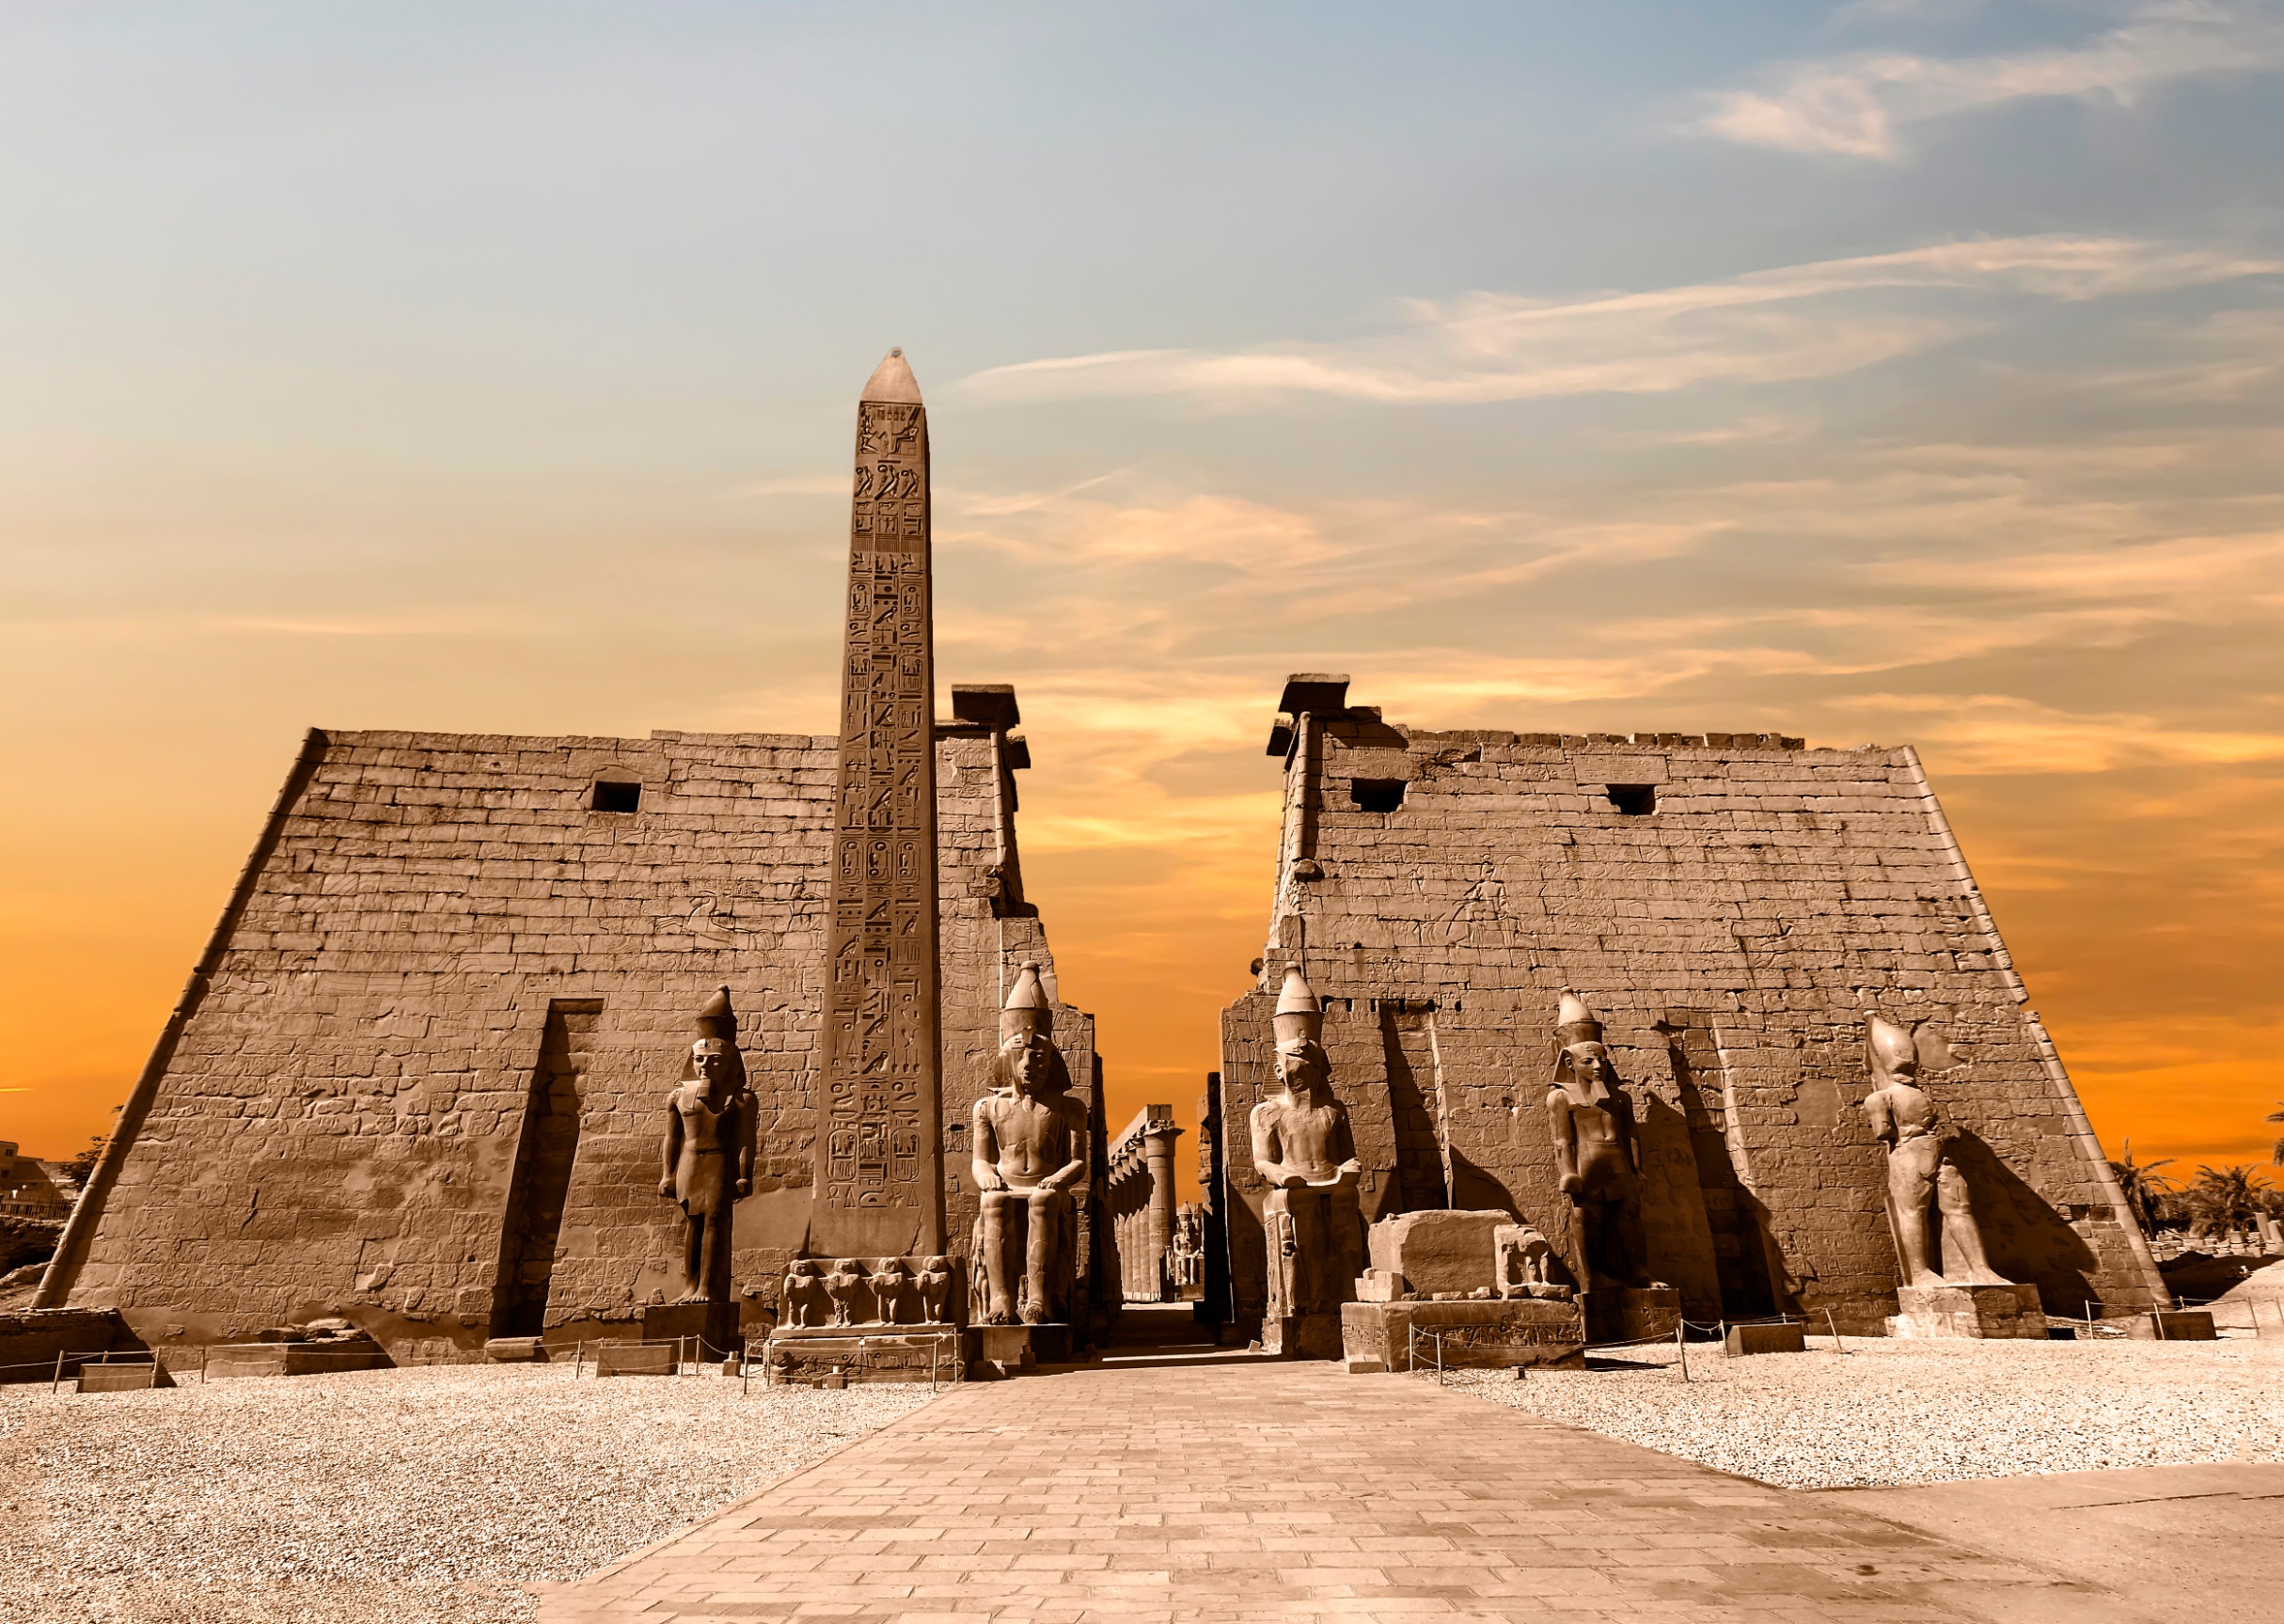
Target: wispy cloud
{"type": "Point", "coordinates": [1976, 734]}
{"type": "Point", "coordinates": [1858, 104]}
{"type": "Point", "coordinates": [1796, 321]}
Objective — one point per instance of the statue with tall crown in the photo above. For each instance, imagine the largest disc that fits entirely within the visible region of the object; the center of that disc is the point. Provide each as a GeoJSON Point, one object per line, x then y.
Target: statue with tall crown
{"type": "Point", "coordinates": [1921, 1176]}
{"type": "Point", "coordinates": [706, 1155]}
{"type": "Point", "coordinates": [1592, 1122]}
{"type": "Point", "coordinates": [1304, 1149]}
{"type": "Point", "coordinates": [1030, 1147]}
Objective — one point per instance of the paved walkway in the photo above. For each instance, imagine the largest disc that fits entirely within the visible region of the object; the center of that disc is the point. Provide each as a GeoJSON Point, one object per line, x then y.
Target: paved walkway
{"type": "Point", "coordinates": [2183, 1542]}
{"type": "Point", "coordinates": [1274, 1492]}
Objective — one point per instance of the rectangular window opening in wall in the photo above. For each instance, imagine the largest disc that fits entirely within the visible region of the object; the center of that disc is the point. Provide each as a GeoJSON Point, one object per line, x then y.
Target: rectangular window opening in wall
{"type": "Point", "coordinates": [1634, 800]}
{"type": "Point", "coordinates": [1376, 794]}
{"type": "Point", "coordinates": [612, 795]}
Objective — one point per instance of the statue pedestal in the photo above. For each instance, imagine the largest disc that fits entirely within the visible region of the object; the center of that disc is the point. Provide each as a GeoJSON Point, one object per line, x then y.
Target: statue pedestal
{"type": "Point", "coordinates": [1631, 1314]}
{"type": "Point", "coordinates": [1301, 1335]}
{"type": "Point", "coordinates": [1007, 1350]}
{"type": "Point", "coordinates": [816, 1353]}
{"type": "Point", "coordinates": [1974, 1311]}
{"type": "Point", "coordinates": [1471, 1335]}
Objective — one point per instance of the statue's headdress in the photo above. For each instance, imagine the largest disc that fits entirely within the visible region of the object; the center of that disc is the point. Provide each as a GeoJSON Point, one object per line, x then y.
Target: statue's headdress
{"type": "Point", "coordinates": [1026, 1013]}
{"type": "Point", "coordinates": [1299, 1019]}
{"type": "Point", "coordinates": [1887, 1044]}
{"type": "Point", "coordinates": [1574, 1024]}
{"type": "Point", "coordinates": [717, 1019]}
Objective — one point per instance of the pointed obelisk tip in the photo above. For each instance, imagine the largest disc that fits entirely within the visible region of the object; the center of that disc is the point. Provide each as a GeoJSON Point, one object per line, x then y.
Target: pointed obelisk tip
{"type": "Point", "coordinates": [892, 381]}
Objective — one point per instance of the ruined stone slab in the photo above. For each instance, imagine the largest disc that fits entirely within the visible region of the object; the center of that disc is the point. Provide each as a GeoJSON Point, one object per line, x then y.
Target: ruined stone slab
{"type": "Point", "coordinates": [636, 1358]}
{"type": "Point", "coordinates": [120, 1378]}
{"type": "Point", "coordinates": [813, 1355]}
{"type": "Point", "coordinates": [1615, 1314]}
{"type": "Point", "coordinates": [1744, 1339]}
{"type": "Point", "coordinates": [31, 1341]}
{"type": "Point", "coordinates": [1972, 1310]}
{"type": "Point", "coordinates": [2173, 1325]}
{"type": "Point", "coordinates": [1482, 1335]}
{"type": "Point", "coordinates": [1438, 1250]}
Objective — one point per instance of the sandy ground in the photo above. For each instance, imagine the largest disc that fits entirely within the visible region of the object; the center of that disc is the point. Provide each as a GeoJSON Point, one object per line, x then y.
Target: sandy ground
{"type": "Point", "coordinates": [1892, 1412]}
{"type": "Point", "coordinates": [401, 1495]}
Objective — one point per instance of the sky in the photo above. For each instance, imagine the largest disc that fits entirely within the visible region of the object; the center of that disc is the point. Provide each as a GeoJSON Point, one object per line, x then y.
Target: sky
{"type": "Point", "coordinates": [1907, 371]}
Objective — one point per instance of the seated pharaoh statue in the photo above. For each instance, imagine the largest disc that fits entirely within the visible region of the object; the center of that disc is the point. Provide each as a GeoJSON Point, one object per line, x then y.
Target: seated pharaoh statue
{"type": "Point", "coordinates": [1920, 1173]}
{"type": "Point", "coordinates": [1303, 1149]}
{"type": "Point", "coordinates": [1592, 1122]}
{"type": "Point", "coordinates": [1030, 1156]}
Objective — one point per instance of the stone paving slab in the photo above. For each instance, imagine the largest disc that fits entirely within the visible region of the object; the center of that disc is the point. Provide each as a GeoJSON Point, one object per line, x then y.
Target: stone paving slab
{"type": "Point", "coordinates": [1290, 1493]}
{"type": "Point", "coordinates": [2202, 1543]}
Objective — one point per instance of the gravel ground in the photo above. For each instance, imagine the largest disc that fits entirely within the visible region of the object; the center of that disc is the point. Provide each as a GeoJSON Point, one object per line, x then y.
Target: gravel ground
{"type": "Point", "coordinates": [1891, 1411]}
{"type": "Point", "coordinates": [432, 1493]}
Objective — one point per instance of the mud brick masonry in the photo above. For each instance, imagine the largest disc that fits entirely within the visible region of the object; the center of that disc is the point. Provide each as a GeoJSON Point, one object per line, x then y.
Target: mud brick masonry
{"type": "Point", "coordinates": [1729, 904]}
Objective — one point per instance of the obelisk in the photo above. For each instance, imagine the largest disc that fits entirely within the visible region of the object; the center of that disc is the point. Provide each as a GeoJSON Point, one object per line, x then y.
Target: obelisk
{"type": "Point", "coordinates": [880, 1185]}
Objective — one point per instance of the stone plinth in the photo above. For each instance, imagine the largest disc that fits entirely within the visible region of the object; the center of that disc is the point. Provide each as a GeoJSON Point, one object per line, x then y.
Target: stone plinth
{"type": "Point", "coordinates": [1478, 1336]}
{"type": "Point", "coordinates": [314, 1356]}
{"type": "Point", "coordinates": [817, 1354]}
{"type": "Point", "coordinates": [1743, 1339]}
{"type": "Point", "coordinates": [1012, 1347]}
{"type": "Point", "coordinates": [1301, 1335]}
{"type": "Point", "coordinates": [1977, 1310]}
{"type": "Point", "coordinates": [1631, 1314]}
{"type": "Point", "coordinates": [672, 1321]}
{"type": "Point", "coordinates": [1438, 1250]}
{"type": "Point", "coordinates": [120, 1378]}
{"type": "Point", "coordinates": [636, 1358]}
{"type": "Point", "coordinates": [2173, 1325]}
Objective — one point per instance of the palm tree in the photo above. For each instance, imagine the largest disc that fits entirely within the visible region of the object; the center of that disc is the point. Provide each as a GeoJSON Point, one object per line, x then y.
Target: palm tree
{"type": "Point", "coordinates": [2276, 1157]}
{"type": "Point", "coordinates": [2141, 1184]}
{"type": "Point", "coordinates": [2226, 1197]}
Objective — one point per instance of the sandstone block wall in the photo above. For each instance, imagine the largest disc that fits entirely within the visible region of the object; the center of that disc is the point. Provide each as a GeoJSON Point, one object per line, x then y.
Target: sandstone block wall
{"type": "Point", "coordinates": [441, 948]}
{"type": "Point", "coordinates": [1440, 891]}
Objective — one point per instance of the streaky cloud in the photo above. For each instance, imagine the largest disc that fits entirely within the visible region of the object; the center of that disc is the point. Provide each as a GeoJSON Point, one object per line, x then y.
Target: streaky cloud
{"type": "Point", "coordinates": [1788, 324]}
{"type": "Point", "coordinates": [1857, 106]}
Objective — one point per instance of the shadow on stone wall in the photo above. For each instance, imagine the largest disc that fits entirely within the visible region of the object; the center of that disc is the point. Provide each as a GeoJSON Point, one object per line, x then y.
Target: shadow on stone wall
{"type": "Point", "coordinates": [2027, 1239]}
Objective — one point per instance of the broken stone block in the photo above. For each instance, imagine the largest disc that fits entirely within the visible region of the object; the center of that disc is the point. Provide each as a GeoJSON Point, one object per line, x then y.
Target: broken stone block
{"type": "Point", "coordinates": [1972, 1311]}
{"type": "Point", "coordinates": [1439, 1251]}
{"type": "Point", "coordinates": [1743, 1339]}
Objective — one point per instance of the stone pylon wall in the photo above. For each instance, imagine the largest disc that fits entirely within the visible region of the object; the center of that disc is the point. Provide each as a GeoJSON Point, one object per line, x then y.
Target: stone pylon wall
{"type": "Point", "coordinates": [1728, 940]}
{"type": "Point", "coordinates": [334, 1126]}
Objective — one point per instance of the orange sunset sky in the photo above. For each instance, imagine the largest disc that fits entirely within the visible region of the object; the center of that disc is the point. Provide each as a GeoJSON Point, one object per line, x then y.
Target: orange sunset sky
{"type": "Point", "coordinates": [1887, 372]}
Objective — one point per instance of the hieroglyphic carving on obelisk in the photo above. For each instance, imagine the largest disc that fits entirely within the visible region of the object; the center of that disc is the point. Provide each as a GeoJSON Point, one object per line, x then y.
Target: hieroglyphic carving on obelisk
{"type": "Point", "coordinates": [880, 1189]}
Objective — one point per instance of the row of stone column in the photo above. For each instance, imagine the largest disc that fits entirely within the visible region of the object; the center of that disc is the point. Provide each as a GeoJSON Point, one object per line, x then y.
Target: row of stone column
{"type": "Point", "coordinates": [1141, 1201]}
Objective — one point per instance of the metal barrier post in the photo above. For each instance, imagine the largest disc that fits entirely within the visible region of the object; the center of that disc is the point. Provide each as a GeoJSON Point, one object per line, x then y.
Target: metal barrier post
{"type": "Point", "coordinates": [1835, 1332]}
{"type": "Point", "coordinates": [1681, 1350]}
{"type": "Point", "coordinates": [56, 1381]}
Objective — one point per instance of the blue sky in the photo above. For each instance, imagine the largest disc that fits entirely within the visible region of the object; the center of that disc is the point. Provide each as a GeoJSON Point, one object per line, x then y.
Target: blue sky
{"type": "Point", "coordinates": [1896, 371]}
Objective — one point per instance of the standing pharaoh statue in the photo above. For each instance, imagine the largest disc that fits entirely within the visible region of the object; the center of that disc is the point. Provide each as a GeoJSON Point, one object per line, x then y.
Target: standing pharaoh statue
{"type": "Point", "coordinates": [1592, 1122]}
{"type": "Point", "coordinates": [1029, 1152]}
{"type": "Point", "coordinates": [1303, 1148]}
{"type": "Point", "coordinates": [707, 1155]}
{"type": "Point", "coordinates": [1921, 1175]}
